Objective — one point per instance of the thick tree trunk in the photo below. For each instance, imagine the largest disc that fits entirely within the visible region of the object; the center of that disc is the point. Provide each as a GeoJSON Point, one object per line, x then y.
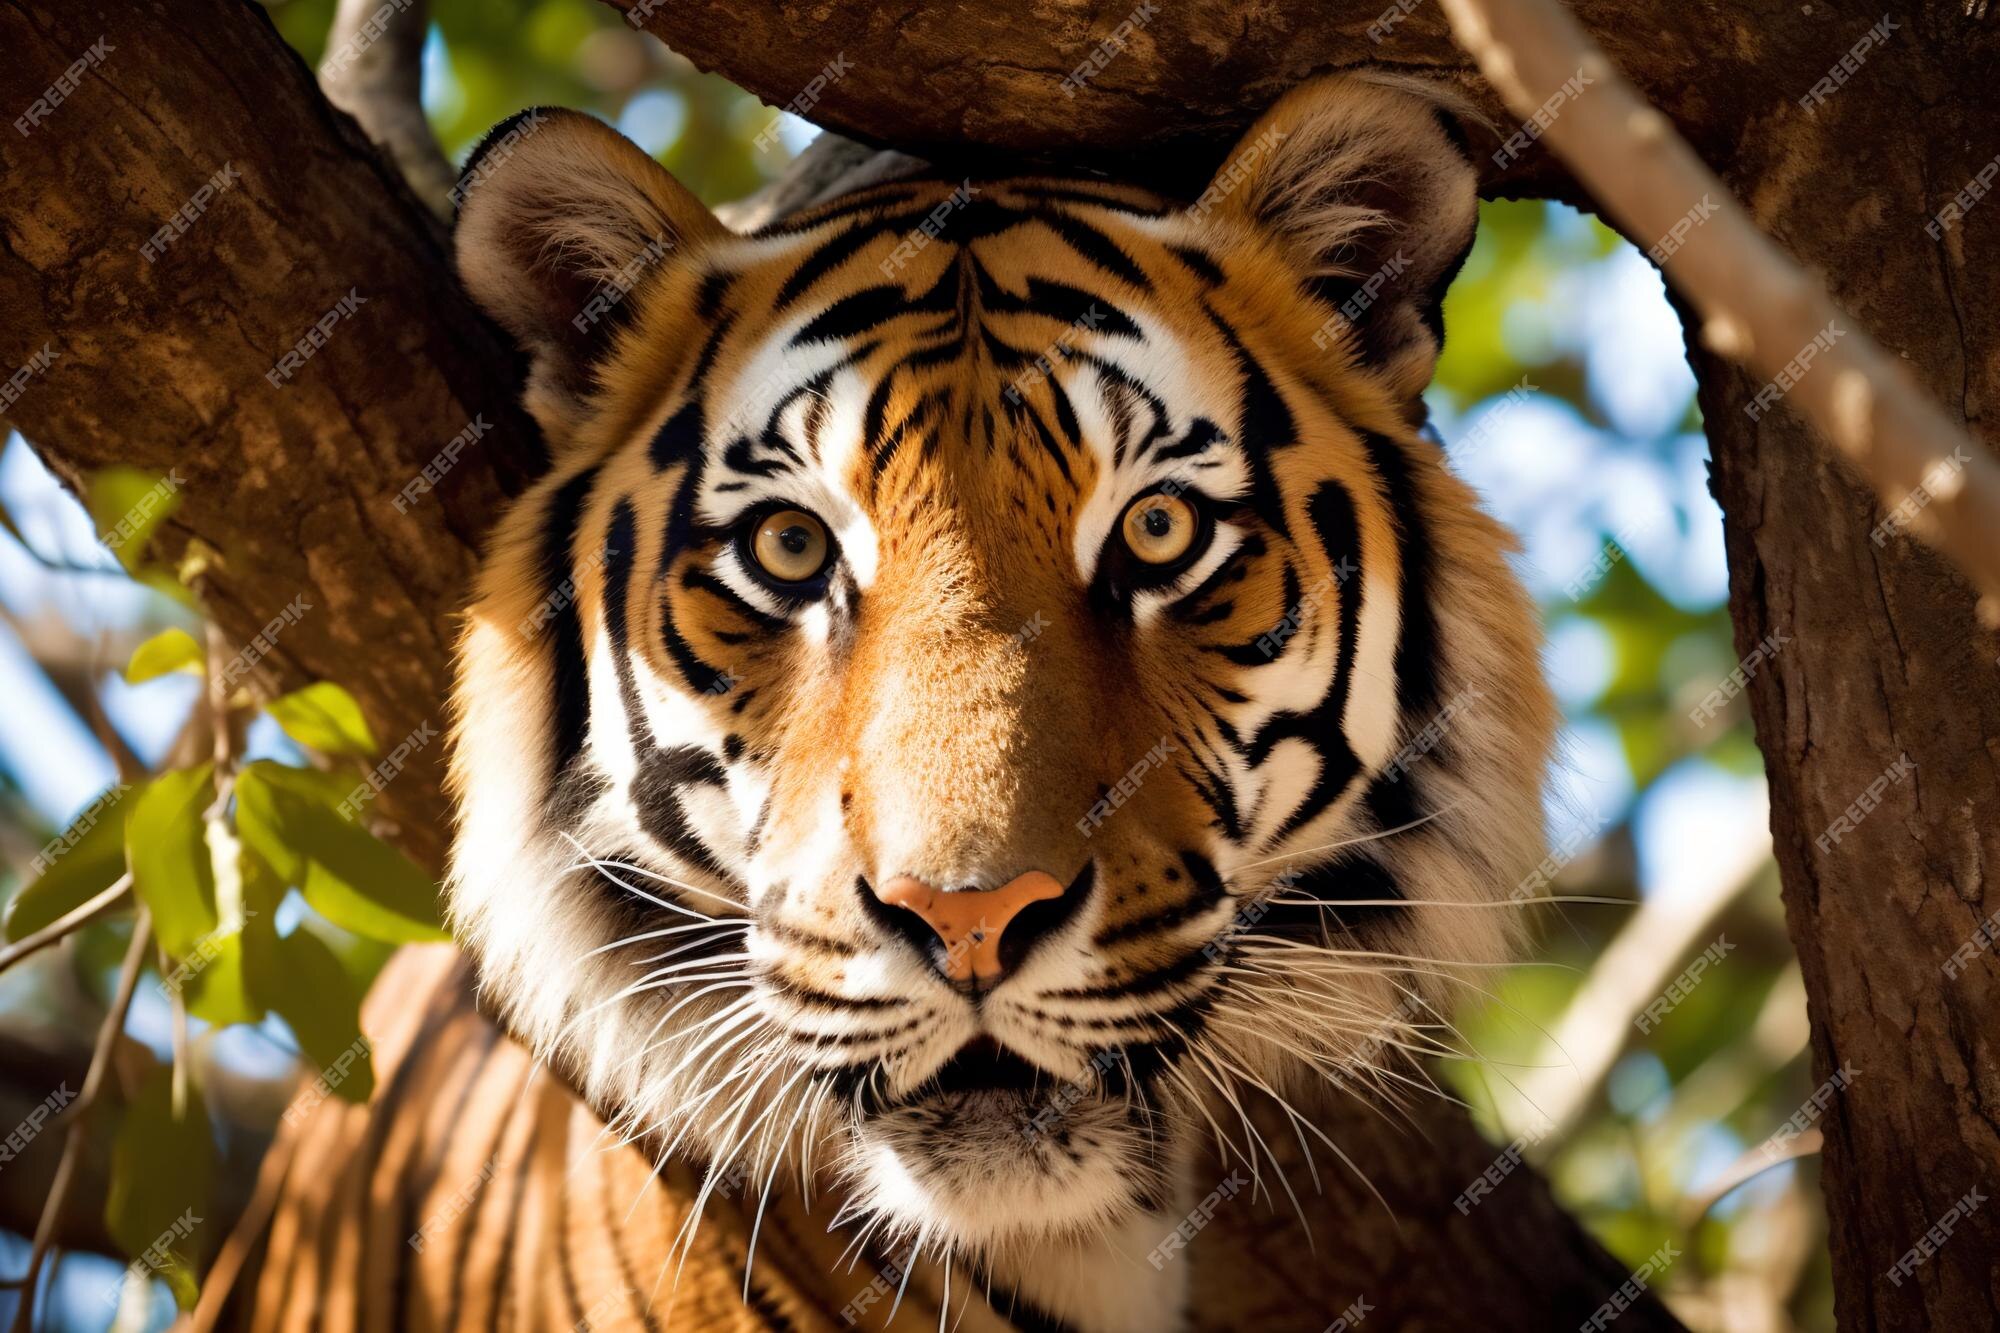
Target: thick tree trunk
{"type": "Point", "coordinates": [1883, 693]}
{"type": "Point", "coordinates": [161, 357]}
{"type": "Point", "coordinates": [293, 481]}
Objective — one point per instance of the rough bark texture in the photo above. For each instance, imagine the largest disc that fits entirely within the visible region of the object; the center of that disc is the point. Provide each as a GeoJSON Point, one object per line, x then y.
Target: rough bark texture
{"type": "Point", "coordinates": [162, 365]}
{"type": "Point", "coordinates": [1883, 660]}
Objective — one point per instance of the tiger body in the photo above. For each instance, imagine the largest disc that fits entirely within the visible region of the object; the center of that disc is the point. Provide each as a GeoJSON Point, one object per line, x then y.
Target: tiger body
{"type": "Point", "coordinates": [954, 535]}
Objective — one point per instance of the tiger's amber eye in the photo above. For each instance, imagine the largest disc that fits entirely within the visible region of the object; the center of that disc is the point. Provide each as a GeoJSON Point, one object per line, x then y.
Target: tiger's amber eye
{"type": "Point", "coordinates": [791, 545]}
{"type": "Point", "coordinates": [1160, 528]}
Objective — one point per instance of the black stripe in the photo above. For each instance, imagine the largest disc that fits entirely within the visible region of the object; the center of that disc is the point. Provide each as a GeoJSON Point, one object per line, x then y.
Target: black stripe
{"type": "Point", "coordinates": [1416, 635]}
{"type": "Point", "coordinates": [825, 256]}
{"type": "Point", "coordinates": [1098, 248]}
{"type": "Point", "coordinates": [1331, 511]}
{"type": "Point", "coordinates": [570, 684]}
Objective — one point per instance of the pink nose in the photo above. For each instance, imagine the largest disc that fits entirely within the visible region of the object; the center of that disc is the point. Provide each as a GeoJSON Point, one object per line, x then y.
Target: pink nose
{"type": "Point", "coordinates": [970, 921]}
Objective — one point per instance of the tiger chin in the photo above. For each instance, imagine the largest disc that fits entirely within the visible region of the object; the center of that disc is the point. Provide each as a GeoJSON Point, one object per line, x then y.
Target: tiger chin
{"type": "Point", "coordinates": [994, 675]}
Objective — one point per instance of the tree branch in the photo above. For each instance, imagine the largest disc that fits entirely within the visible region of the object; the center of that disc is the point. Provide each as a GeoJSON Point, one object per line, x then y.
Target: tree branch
{"type": "Point", "coordinates": [1757, 307]}
{"type": "Point", "coordinates": [373, 70]}
{"type": "Point", "coordinates": [78, 1136]}
{"type": "Point", "coordinates": [296, 356]}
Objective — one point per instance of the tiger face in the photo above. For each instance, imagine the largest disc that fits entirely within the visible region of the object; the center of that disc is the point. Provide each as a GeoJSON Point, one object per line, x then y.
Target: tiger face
{"type": "Point", "coordinates": [994, 672]}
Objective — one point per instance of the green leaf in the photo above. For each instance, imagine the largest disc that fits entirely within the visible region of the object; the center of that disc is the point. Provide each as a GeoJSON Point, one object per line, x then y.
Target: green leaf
{"type": "Point", "coordinates": [167, 845]}
{"type": "Point", "coordinates": [169, 650]}
{"type": "Point", "coordinates": [324, 717]}
{"type": "Point", "coordinates": [291, 818]}
{"type": "Point", "coordinates": [78, 865]}
{"type": "Point", "coordinates": [129, 506]}
{"type": "Point", "coordinates": [299, 979]}
{"type": "Point", "coordinates": [215, 987]}
{"type": "Point", "coordinates": [161, 1171]}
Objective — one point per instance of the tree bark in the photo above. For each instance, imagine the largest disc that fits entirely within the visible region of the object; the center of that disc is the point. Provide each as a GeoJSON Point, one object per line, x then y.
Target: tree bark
{"type": "Point", "coordinates": [1882, 663]}
{"type": "Point", "coordinates": [292, 484]}
{"type": "Point", "coordinates": [289, 482]}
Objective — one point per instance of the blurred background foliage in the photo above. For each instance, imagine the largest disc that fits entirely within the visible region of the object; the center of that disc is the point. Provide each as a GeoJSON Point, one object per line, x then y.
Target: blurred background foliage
{"type": "Point", "coordinates": [1563, 396]}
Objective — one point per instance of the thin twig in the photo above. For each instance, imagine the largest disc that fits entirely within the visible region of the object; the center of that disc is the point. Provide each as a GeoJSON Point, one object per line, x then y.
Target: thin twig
{"type": "Point", "coordinates": [177, 1002]}
{"type": "Point", "coordinates": [93, 1084]}
{"type": "Point", "coordinates": [1757, 306]}
{"type": "Point", "coordinates": [67, 924]}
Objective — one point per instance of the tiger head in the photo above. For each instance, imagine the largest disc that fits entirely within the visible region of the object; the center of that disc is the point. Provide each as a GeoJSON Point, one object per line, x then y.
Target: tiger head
{"type": "Point", "coordinates": [994, 669]}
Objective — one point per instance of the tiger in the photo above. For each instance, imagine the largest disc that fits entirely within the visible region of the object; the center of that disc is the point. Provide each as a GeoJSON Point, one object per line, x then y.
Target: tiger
{"type": "Point", "coordinates": [997, 671]}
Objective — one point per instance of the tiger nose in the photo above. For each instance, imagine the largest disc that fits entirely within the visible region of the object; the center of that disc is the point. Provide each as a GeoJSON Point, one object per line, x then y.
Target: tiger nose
{"type": "Point", "coordinates": [969, 922]}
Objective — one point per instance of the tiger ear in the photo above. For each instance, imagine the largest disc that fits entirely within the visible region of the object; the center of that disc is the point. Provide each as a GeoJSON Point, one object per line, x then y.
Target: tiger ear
{"type": "Point", "coordinates": [1367, 182]}
{"type": "Point", "coordinates": [559, 216]}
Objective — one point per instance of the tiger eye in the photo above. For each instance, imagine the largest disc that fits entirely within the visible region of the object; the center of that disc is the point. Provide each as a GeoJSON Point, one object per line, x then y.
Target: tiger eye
{"type": "Point", "coordinates": [1159, 529]}
{"type": "Point", "coordinates": [791, 545]}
